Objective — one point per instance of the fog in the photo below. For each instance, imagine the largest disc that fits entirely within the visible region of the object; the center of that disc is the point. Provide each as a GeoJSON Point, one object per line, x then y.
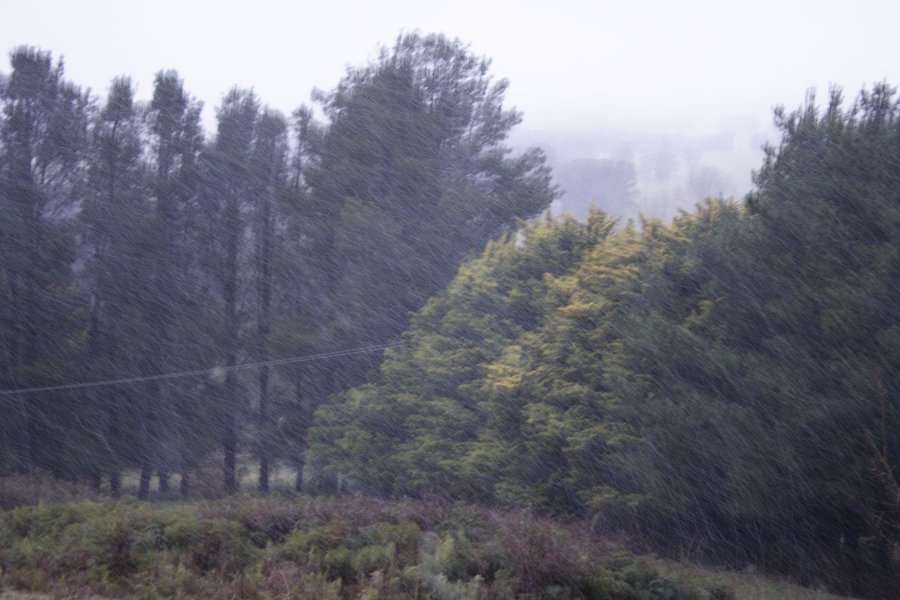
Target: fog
{"type": "Point", "coordinates": [651, 66]}
{"type": "Point", "coordinates": [696, 80]}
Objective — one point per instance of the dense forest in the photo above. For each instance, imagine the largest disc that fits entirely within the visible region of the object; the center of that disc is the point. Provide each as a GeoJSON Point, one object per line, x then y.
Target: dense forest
{"type": "Point", "coordinates": [724, 385]}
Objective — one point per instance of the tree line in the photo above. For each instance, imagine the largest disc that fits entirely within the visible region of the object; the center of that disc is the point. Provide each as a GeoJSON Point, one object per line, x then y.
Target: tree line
{"type": "Point", "coordinates": [724, 387]}
{"type": "Point", "coordinates": [133, 245]}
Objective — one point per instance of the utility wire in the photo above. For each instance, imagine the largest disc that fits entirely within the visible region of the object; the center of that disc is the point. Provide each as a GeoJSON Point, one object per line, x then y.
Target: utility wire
{"type": "Point", "coordinates": [198, 372]}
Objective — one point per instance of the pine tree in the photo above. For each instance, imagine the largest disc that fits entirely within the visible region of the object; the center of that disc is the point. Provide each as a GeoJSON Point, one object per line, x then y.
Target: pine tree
{"type": "Point", "coordinates": [228, 190]}
{"type": "Point", "coordinates": [174, 297]}
{"type": "Point", "coordinates": [268, 167]}
{"type": "Point", "coordinates": [115, 219]}
{"type": "Point", "coordinates": [42, 146]}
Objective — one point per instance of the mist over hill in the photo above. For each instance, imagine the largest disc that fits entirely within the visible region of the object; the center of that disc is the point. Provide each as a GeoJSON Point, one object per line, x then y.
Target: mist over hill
{"type": "Point", "coordinates": [629, 172]}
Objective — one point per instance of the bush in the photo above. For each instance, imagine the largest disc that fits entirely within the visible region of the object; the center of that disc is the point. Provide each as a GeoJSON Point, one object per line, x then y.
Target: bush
{"type": "Point", "coordinates": [216, 545]}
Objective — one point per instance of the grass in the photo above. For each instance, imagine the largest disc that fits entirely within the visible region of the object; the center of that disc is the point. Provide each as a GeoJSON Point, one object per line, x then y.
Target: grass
{"type": "Point", "coordinates": [206, 483]}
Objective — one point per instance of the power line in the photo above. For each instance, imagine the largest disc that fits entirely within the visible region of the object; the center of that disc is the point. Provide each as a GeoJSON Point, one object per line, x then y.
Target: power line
{"type": "Point", "coordinates": [198, 372]}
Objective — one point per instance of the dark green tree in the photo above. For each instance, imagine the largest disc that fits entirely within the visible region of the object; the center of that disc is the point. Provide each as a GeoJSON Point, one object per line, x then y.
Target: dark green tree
{"type": "Point", "coordinates": [42, 148]}
{"type": "Point", "coordinates": [228, 194]}
{"type": "Point", "coordinates": [410, 176]}
{"type": "Point", "coordinates": [298, 299]}
{"type": "Point", "coordinates": [269, 173]}
{"type": "Point", "coordinates": [115, 219]}
{"type": "Point", "coordinates": [175, 298]}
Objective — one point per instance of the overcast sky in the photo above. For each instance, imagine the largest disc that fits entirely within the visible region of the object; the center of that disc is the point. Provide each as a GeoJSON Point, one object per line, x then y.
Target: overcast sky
{"type": "Point", "coordinates": [682, 66]}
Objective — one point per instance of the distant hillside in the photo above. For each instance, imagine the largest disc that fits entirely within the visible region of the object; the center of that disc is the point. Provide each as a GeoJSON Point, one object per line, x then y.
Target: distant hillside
{"type": "Point", "coordinates": [670, 171]}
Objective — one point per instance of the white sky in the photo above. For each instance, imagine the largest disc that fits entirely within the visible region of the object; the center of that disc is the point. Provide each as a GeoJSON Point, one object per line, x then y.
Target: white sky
{"type": "Point", "coordinates": [683, 65]}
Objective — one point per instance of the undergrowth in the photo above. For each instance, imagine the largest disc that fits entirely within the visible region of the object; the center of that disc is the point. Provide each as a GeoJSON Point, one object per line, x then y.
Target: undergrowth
{"type": "Point", "coordinates": [306, 547]}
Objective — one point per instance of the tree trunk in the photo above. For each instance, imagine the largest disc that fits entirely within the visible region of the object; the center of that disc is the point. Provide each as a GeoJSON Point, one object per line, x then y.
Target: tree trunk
{"type": "Point", "coordinates": [229, 436]}
{"type": "Point", "coordinates": [263, 430]}
{"type": "Point", "coordinates": [300, 452]}
{"type": "Point", "coordinates": [31, 418]}
{"type": "Point", "coordinates": [185, 486]}
{"type": "Point", "coordinates": [163, 475]}
{"type": "Point", "coordinates": [264, 422]}
{"type": "Point", "coordinates": [265, 249]}
{"type": "Point", "coordinates": [229, 446]}
{"type": "Point", "coordinates": [115, 484]}
{"type": "Point", "coordinates": [144, 486]}
{"type": "Point", "coordinates": [32, 434]}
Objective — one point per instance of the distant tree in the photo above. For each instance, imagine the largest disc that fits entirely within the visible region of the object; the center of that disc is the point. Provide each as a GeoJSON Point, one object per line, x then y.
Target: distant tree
{"type": "Point", "coordinates": [705, 182]}
{"type": "Point", "coordinates": [662, 162]}
{"type": "Point", "coordinates": [601, 184]}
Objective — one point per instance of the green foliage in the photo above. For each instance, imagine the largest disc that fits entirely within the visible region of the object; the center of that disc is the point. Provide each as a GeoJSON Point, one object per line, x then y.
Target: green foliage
{"type": "Point", "coordinates": [43, 132]}
{"type": "Point", "coordinates": [414, 430]}
{"type": "Point", "coordinates": [214, 545]}
{"type": "Point", "coordinates": [722, 385]}
{"type": "Point", "coordinates": [347, 547]}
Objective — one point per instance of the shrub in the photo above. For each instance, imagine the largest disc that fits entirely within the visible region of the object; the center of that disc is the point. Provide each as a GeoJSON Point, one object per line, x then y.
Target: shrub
{"type": "Point", "coordinates": [314, 548]}
{"type": "Point", "coordinates": [215, 545]}
{"type": "Point", "coordinates": [270, 518]}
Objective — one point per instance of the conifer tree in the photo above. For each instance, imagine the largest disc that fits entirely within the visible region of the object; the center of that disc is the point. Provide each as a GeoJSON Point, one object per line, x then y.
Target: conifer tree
{"type": "Point", "coordinates": [42, 146]}
{"type": "Point", "coordinates": [116, 234]}
{"type": "Point", "coordinates": [268, 166]}
{"type": "Point", "coordinates": [174, 296]}
{"type": "Point", "coordinates": [228, 186]}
